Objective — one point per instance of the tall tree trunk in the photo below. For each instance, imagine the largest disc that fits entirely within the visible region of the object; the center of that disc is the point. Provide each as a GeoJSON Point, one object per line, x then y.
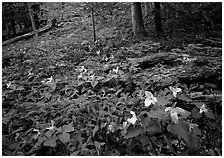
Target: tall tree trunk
{"type": "Point", "coordinates": [32, 21]}
{"type": "Point", "coordinates": [13, 23]}
{"type": "Point", "coordinates": [94, 30]}
{"type": "Point", "coordinates": [5, 22]}
{"type": "Point", "coordinates": [137, 20]}
{"type": "Point", "coordinates": [147, 9]}
{"type": "Point", "coordinates": [158, 23]}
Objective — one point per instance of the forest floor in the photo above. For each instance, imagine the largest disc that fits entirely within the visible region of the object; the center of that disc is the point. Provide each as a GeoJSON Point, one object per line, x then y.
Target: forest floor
{"type": "Point", "coordinates": [67, 82]}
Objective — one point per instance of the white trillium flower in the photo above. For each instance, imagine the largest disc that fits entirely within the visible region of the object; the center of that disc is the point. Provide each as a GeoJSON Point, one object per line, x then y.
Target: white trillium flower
{"type": "Point", "coordinates": [91, 77]}
{"type": "Point", "coordinates": [174, 113]}
{"type": "Point", "coordinates": [80, 76]}
{"type": "Point", "coordinates": [82, 69]}
{"type": "Point", "coordinates": [192, 126]}
{"type": "Point", "coordinates": [150, 99]}
{"type": "Point", "coordinates": [174, 116]}
{"type": "Point", "coordinates": [8, 84]}
{"type": "Point", "coordinates": [116, 70]}
{"type": "Point", "coordinates": [36, 135]}
{"type": "Point", "coordinates": [175, 90]}
{"type": "Point", "coordinates": [203, 109]}
{"type": "Point", "coordinates": [111, 128]}
{"type": "Point", "coordinates": [52, 127]}
{"type": "Point", "coordinates": [49, 80]}
{"type": "Point", "coordinates": [133, 119]}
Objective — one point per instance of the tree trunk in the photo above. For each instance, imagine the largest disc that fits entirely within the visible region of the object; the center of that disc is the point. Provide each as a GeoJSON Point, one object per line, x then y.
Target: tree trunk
{"type": "Point", "coordinates": [94, 30]}
{"type": "Point", "coordinates": [32, 21]}
{"type": "Point", "coordinates": [13, 22]}
{"type": "Point", "coordinates": [158, 23]}
{"type": "Point", "coordinates": [147, 9]}
{"type": "Point", "coordinates": [137, 20]}
{"type": "Point", "coordinates": [5, 22]}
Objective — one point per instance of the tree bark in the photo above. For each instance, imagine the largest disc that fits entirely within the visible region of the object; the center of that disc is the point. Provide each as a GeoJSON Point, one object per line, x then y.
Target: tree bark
{"type": "Point", "coordinates": [94, 30]}
{"type": "Point", "coordinates": [32, 21]}
{"type": "Point", "coordinates": [4, 22]}
{"type": "Point", "coordinates": [137, 20]}
{"type": "Point", "coordinates": [147, 9]}
{"type": "Point", "coordinates": [158, 23]}
{"type": "Point", "coordinates": [13, 22]}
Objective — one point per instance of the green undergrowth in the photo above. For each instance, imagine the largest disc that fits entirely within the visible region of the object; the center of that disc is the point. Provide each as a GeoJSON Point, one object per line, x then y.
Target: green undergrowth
{"type": "Point", "coordinates": [66, 95]}
{"type": "Point", "coordinates": [78, 102]}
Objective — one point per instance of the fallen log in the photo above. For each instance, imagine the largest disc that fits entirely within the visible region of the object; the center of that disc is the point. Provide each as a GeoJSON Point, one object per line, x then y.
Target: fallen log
{"type": "Point", "coordinates": [164, 57]}
{"type": "Point", "coordinates": [28, 35]}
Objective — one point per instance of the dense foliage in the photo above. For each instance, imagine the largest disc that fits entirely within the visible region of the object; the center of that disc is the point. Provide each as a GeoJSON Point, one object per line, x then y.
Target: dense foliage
{"type": "Point", "coordinates": [67, 95]}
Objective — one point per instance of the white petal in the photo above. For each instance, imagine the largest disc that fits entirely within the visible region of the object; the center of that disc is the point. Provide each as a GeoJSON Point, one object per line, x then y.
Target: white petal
{"type": "Point", "coordinates": [179, 110]}
{"type": "Point", "coordinates": [203, 109]}
{"type": "Point", "coordinates": [174, 94]}
{"type": "Point", "coordinates": [148, 102]}
{"type": "Point", "coordinates": [174, 116]}
{"type": "Point", "coordinates": [168, 109]}
{"type": "Point", "coordinates": [178, 89]}
{"type": "Point", "coordinates": [154, 100]}
{"type": "Point", "coordinates": [133, 113]}
{"type": "Point", "coordinates": [171, 88]}
{"type": "Point", "coordinates": [148, 94]}
{"type": "Point", "coordinates": [132, 120]}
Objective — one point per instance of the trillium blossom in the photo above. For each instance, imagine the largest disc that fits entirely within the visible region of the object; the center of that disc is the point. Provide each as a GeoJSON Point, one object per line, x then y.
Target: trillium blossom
{"type": "Point", "coordinates": [49, 80]}
{"type": "Point", "coordinates": [36, 135]}
{"type": "Point", "coordinates": [192, 126]}
{"type": "Point", "coordinates": [111, 128]}
{"type": "Point", "coordinates": [133, 119]}
{"type": "Point", "coordinates": [8, 84]}
{"type": "Point", "coordinates": [203, 109]}
{"type": "Point", "coordinates": [116, 70]}
{"type": "Point", "coordinates": [150, 99]}
{"type": "Point", "coordinates": [125, 124]}
{"type": "Point", "coordinates": [80, 76]}
{"type": "Point", "coordinates": [91, 77]}
{"type": "Point", "coordinates": [52, 127]}
{"type": "Point", "coordinates": [175, 90]}
{"type": "Point", "coordinates": [174, 113]}
{"type": "Point", "coordinates": [82, 69]}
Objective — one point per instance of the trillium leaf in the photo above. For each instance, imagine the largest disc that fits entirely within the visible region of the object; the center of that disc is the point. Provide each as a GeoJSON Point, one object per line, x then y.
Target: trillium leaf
{"type": "Point", "coordinates": [210, 114]}
{"type": "Point", "coordinates": [144, 121]}
{"type": "Point", "coordinates": [145, 140]}
{"type": "Point", "coordinates": [75, 153]}
{"type": "Point", "coordinates": [95, 130]}
{"type": "Point", "coordinates": [180, 129]}
{"type": "Point", "coordinates": [40, 141]}
{"type": "Point", "coordinates": [195, 113]}
{"type": "Point", "coordinates": [50, 142]}
{"type": "Point", "coordinates": [133, 131]}
{"type": "Point", "coordinates": [160, 114]}
{"type": "Point", "coordinates": [68, 128]}
{"type": "Point", "coordinates": [64, 137]}
{"type": "Point", "coordinates": [98, 145]}
{"type": "Point", "coordinates": [193, 141]}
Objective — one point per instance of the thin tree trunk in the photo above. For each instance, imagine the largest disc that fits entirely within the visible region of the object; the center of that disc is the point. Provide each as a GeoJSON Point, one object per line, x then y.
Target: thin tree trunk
{"type": "Point", "coordinates": [6, 23]}
{"type": "Point", "coordinates": [137, 20]}
{"type": "Point", "coordinates": [32, 21]}
{"type": "Point", "coordinates": [158, 23]}
{"type": "Point", "coordinates": [13, 22]}
{"type": "Point", "coordinates": [94, 30]}
{"type": "Point", "coordinates": [147, 9]}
